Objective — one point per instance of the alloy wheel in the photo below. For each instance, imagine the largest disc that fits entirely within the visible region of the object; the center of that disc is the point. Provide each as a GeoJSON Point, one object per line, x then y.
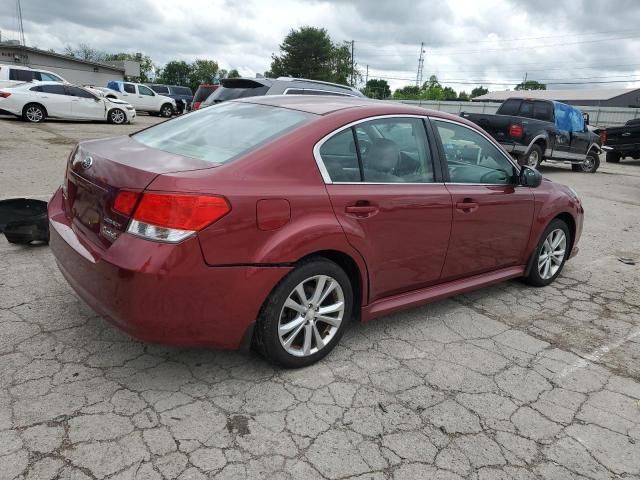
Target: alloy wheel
{"type": "Point", "coordinates": [117, 116]}
{"type": "Point", "coordinates": [311, 315]}
{"type": "Point", "coordinates": [34, 114]}
{"type": "Point", "coordinates": [552, 254]}
{"type": "Point", "coordinates": [587, 164]}
{"type": "Point", "coordinates": [532, 161]}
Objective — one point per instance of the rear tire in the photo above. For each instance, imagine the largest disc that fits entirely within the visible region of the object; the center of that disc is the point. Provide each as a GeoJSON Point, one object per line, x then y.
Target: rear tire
{"type": "Point", "coordinates": [34, 113]}
{"type": "Point", "coordinates": [549, 257]}
{"type": "Point", "coordinates": [533, 158]}
{"type": "Point", "coordinates": [590, 164]}
{"type": "Point", "coordinates": [613, 157]}
{"type": "Point", "coordinates": [117, 116]}
{"type": "Point", "coordinates": [290, 330]}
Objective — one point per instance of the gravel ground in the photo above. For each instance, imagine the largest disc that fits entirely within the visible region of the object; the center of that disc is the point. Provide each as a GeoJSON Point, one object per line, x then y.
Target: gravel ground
{"type": "Point", "coordinates": [506, 382]}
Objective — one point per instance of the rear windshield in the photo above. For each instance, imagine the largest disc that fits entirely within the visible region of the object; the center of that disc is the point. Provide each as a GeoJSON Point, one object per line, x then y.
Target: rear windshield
{"type": "Point", "coordinates": [202, 93]}
{"type": "Point", "coordinates": [182, 91]}
{"type": "Point", "coordinates": [161, 89]}
{"type": "Point", "coordinates": [222, 94]}
{"type": "Point", "coordinates": [220, 133]}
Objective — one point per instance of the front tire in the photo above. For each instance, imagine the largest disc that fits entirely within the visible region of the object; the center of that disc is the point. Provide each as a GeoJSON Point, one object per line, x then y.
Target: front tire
{"type": "Point", "coordinates": [117, 116]}
{"type": "Point", "coordinates": [305, 315]}
{"type": "Point", "coordinates": [613, 157]}
{"type": "Point", "coordinates": [533, 158]}
{"type": "Point", "coordinates": [550, 255]}
{"type": "Point", "coordinates": [166, 110]}
{"type": "Point", "coordinates": [589, 165]}
{"type": "Point", "coordinates": [34, 113]}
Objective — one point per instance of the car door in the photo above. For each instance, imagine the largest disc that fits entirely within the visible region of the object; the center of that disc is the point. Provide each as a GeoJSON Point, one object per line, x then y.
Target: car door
{"type": "Point", "coordinates": [492, 215]}
{"type": "Point", "coordinates": [54, 98]}
{"type": "Point", "coordinates": [562, 144]}
{"type": "Point", "coordinates": [580, 138]}
{"type": "Point", "coordinates": [129, 94]}
{"type": "Point", "coordinates": [390, 201]}
{"type": "Point", "coordinates": [147, 99]}
{"type": "Point", "coordinates": [85, 105]}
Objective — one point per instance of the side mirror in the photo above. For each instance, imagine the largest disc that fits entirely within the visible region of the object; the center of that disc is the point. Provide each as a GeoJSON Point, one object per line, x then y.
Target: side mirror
{"type": "Point", "coordinates": [586, 118]}
{"type": "Point", "coordinates": [530, 177]}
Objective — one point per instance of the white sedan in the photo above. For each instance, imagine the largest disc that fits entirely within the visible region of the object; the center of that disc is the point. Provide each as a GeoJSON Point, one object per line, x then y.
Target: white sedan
{"type": "Point", "coordinates": [36, 101]}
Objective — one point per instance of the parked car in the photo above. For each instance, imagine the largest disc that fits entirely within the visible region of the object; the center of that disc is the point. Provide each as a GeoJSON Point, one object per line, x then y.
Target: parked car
{"type": "Point", "coordinates": [141, 97]}
{"type": "Point", "coordinates": [534, 131]}
{"type": "Point", "coordinates": [12, 75]}
{"type": "Point", "coordinates": [202, 93]}
{"type": "Point", "coordinates": [182, 95]}
{"type": "Point", "coordinates": [621, 142]}
{"type": "Point", "coordinates": [36, 102]}
{"type": "Point", "coordinates": [294, 216]}
{"type": "Point", "coordinates": [232, 88]}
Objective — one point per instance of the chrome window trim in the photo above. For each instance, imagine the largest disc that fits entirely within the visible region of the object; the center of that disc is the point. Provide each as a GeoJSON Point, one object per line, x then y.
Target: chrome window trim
{"type": "Point", "coordinates": [323, 170]}
{"type": "Point", "coordinates": [333, 93]}
{"type": "Point", "coordinates": [491, 140]}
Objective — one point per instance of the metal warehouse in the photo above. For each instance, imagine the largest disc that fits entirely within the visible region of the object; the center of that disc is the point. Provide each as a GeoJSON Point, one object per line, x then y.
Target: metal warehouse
{"type": "Point", "coordinates": [599, 97]}
{"type": "Point", "coordinates": [74, 70]}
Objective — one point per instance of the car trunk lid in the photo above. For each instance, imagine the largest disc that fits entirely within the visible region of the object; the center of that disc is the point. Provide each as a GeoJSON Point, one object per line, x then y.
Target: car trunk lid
{"type": "Point", "coordinates": [99, 170]}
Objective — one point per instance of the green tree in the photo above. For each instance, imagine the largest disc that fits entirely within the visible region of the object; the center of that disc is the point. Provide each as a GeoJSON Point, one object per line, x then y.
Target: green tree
{"type": "Point", "coordinates": [176, 72]}
{"type": "Point", "coordinates": [531, 85]}
{"type": "Point", "coordinates": [377, 88]}
{"type": "Point", "coordinates": [449, 93]}
{"type": "Point", "coordinates": [476, 92]}
{"type": "Point", "coordinates": [432, 90]}
{"type": "Point", "coordinates": [233, 73]}
{"type": "Point", "coordinates": [409, 92]}
{"type": "Point", "coordinates": [309, 53]}
{"type": "Point", "coordinates": [463, 96]}
{"type": "Point", "coordinates": [202, 71]}
{"type": "Point", "coordinates": [147, 68]}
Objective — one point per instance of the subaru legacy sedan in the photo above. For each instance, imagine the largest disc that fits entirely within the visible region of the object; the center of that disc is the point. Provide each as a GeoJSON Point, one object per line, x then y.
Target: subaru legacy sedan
{"type": "Point", "coordinates": [275, 221]}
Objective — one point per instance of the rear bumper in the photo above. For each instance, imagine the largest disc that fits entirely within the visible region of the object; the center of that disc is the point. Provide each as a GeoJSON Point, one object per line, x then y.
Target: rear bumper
{"type": "Point", "coordinates": [158, 292]}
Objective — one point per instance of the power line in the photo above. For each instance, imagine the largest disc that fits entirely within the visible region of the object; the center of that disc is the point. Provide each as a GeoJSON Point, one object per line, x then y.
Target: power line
{"type": "Point", "coordinates": [484, 82]}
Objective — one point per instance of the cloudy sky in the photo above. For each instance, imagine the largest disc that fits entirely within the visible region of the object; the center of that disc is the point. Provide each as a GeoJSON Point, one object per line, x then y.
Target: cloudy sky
{"type": "Point", "coordinates": [493, 42]}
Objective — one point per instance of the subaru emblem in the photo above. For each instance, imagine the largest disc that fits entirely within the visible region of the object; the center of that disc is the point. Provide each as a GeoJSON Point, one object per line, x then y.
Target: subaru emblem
{"type": "Point", "coordinates": [87, 162]}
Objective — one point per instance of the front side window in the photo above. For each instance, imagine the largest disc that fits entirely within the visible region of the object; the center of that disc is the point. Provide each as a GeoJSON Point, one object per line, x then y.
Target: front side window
{"type": "Point", "coordinates": [49, 77]}
{"type": "Point", "coordinates": [471, 158]}
{"type": "Point", "coordinates": [577, 120]}
{"type": "Point", "coordinates": [389, 150]}
{"type": "Point", "coordinates": [142, 90]}
{"type": "Point", "coordinates": [223, 132]}
{"type": "Point", "coordinates": [129, 87]}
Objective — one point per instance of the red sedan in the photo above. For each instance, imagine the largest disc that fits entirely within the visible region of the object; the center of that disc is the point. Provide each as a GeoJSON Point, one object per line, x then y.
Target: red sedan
{"type": "Point", "coordinates": [275, 221]}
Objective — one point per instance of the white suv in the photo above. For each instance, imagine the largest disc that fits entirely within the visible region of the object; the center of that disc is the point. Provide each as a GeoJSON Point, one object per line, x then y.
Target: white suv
{"type": "Point", "coordinates": [11, 75]}
{"type": "Point", "coordinates": [141, 97]}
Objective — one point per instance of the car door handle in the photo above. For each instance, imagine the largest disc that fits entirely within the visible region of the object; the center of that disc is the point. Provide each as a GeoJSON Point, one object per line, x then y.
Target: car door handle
{"type": "Point", "coordinates": [75, 99]}
{"type": "Point", "coordinates": [626, 134]}
{"type": "Point", "coordinates": [361, 210]}
{"type": "Point", "coordinates": [467, 206]}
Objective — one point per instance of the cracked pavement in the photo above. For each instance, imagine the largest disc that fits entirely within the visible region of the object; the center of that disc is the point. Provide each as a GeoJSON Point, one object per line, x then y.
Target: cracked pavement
{"type": "Point", "coordinates": [505, 382]}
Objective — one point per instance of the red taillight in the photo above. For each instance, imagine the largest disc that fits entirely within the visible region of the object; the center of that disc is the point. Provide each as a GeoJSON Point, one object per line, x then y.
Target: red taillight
{"type": "Point", "coordinates": [195, 105]}
{"type": "Point", "coordinates": [603, 135]}
{"type": "Point", "coordinates": [125, 202]}
{"type": "Point", "coordinates": [516, 131]}
{"type": "Point", "coordinates": [4, 94]}
{"type": "Point", "coordinates": [180, 211]}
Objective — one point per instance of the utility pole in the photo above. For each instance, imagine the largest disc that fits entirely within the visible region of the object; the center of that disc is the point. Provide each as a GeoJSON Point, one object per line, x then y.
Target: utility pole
{"type": "Point", "coordinates": [352, 64]}
{"type": "Point", "coordinates": [524, 82]}
{"type": "Point", "coordinates": [366, 78]}
{"type": "Point", "coordinates": [420, 66]}
{"type": "Point", "coordinates": [20, 23]}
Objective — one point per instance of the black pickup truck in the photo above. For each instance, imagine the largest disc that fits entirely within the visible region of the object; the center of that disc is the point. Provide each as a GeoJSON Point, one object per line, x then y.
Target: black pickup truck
{"type": "Point", "coordinates": [621, 142]}
{"type": "Point", "coordinates": [537, 130]}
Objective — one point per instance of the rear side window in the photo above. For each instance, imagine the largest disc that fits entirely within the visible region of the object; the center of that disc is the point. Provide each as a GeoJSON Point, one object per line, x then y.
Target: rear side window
{"type": "Point", "coordinates": [182, 91]}
{"type": "Point", "coordinates": [393, 150]}
{"type": "Point", "coordinates": [543, 111]}
{"type": "Point", "coordinates": [49, 77]}
{"type": "Point", "coordinates": [510, 107]}
{"type": "Point", "coordinates": [36, 89]}
{"type": "Point", "coordinates": [21, 75]}
{"type": "Point", "coordinates": [526, 110]}
{"type": "Point", "coordinates": [309, 91]}
{"type": "Point", "coordinates": [129, 88]}
{"type": "Point", "coordinates": [222, 133]}
{"type": "Point", "coordinates": [78, 92]}
{"type": "Point", "coordinates": [54, 89]}
{"type": "Point", "coordinates": [161, 89]}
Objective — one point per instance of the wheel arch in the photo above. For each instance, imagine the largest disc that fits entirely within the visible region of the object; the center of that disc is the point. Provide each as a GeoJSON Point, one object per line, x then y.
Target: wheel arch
{"type": "Point", "coordinates": [352, 269]}
{"type": "Point", "coordinates": [567, 218]}
{"type": "Point", "coordinates": [35, 103]}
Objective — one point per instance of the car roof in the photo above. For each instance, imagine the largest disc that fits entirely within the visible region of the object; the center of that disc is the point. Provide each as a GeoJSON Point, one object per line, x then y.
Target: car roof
{"type": "Point", "coordinates": [327, 104]}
